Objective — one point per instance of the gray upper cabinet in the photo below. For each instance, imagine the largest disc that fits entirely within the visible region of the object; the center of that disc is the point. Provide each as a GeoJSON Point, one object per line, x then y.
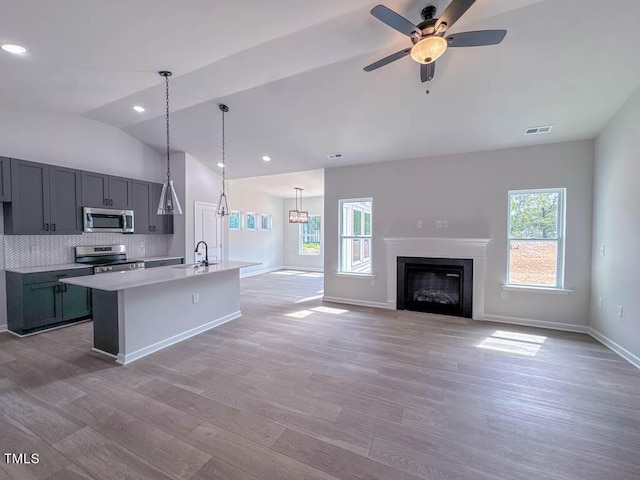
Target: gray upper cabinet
{"type": "Point", "coordinates": [44, 200]}
{"type": "Point", "coordinates": [65, 187]}
{"type": "Point", "coordinates": [106, 191]}
{"type": "Point", "coordinates": [5, 179]}
{"type": "Point", "coordinates": [141, 207]}
{"type": "Point", "coordinates": [146, 197]}
{"type": "Point", "coordinates": [29, 212]}
{"type": "Point", "coordinates": [120, 192]}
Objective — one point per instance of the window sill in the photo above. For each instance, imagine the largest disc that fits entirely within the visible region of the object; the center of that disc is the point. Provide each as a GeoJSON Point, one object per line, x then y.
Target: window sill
{"type": "Point", "coordinates": [355, 275]}
{"type": "Point", "coordinates": [525, 288]}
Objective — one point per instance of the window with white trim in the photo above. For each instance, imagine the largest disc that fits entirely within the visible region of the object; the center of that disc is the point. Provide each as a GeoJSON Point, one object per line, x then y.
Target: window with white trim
{"type": "Point", "coordinates": [235, 220]}
{"type": "Point", "coordinates": [355, 236]}
{"type": "Point", "coordinates": [265, 221]}
{"type": "Point", "coordinates": [536, 238]}
{"type": "Point", "coordinates": [252, 221]}
{"type": "Point", "coordinates": [310, 238]}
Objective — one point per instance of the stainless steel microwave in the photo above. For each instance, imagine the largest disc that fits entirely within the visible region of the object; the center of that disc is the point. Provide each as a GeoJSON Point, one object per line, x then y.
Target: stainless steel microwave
{"type": "Point", "coordinates": [107, 220]}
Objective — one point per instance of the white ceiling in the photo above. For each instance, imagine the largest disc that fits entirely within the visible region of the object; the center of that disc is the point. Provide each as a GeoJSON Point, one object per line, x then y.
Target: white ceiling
{"type": "Point", "coordinates": [291, 73]}
{"type": "Point", "coordinates": [283, 185]}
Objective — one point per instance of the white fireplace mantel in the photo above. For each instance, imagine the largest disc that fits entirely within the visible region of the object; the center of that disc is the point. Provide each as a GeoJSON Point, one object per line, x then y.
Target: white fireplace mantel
{"type": "Point", "coordinates": [438, 247]}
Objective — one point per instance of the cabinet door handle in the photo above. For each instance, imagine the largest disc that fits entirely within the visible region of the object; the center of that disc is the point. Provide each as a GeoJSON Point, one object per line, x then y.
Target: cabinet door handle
{"type": "Point", "coordinates": [56, 289]}
{"type": "Point", "coordinates": [53, 227]}
{"type": "Point", "coordinates": [46, 227]}
{"type": "Point", "coordinates": [105, 201]}
{"type": "Point", "coordinates": [111, 202]}
{"type": "Point", "coordinates": [64, 287]}
{"type": "Point", "coordinates": [150, 228]}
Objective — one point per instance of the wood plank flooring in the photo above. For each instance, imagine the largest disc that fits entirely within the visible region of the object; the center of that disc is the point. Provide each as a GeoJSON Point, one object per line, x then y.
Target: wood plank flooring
{"type": "Point", "coordinates": [301, 389]}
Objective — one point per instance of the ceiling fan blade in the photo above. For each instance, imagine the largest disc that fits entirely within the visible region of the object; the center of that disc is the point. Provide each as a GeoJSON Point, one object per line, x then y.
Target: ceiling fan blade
{"type": "Point", "coordinates": [391, 58]}
{"type": "Point", "coordinates": [479, 38]}
{"type": "Point", "coordinates": [452, 13]}
{"type": "Point", "coordinates": [427, 71]}
{"type": "Point", "coordinates": [394, 20]}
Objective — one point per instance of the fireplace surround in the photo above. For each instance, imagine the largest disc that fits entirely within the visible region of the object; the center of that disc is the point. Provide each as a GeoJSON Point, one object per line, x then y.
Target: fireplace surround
{"type": "Point", "coordinates": [438, 247]}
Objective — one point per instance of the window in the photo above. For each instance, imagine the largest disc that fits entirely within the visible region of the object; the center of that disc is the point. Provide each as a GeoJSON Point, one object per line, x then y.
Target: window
{"type": "Point", "coordinates": [355, 236]}
{"type": "Point", "coordinates": [536, 238]}
{"type": "Point", "coordinates": [235, 220]}
{"type": "Point", "coordinates": [265, 221]}
{"type": "Point", "coordinates": [252, 221]}
{"type": "Point", "coordinates": [310, 236]}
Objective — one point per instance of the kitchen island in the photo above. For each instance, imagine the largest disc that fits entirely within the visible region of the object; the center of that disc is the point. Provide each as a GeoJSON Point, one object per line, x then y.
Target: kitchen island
{"type": "Point", "coordinates": [139, 312]}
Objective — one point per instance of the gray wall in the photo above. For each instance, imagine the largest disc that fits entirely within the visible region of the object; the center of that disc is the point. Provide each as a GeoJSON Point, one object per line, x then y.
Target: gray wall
{"type": "Point", "coordinates": [256, 245]}
{"type": "Point", "coordinates": [470, 192]}
{"type": "Point", "coordinates": [292, 257]}
{"type": "Point", "coordinates": [616, 226]}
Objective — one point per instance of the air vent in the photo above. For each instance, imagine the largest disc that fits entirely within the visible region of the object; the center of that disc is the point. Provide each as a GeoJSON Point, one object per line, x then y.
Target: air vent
{"type": "Point", "coordinates": [538, 130]}
{"type": "Point", "coordinates": [335, 156]}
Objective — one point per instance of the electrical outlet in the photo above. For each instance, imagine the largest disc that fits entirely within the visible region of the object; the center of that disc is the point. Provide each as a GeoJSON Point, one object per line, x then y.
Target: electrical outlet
{"type": "Point", "coordinates": [195, 298]}
{"type": "Point", "coordinates": [445, 224]}
{"type": "Point", "coordinates": [600, 303]}
{"type": "Point", "coordinates": [438, 223]}
{"type": "Point", "coordinates": [619, 311]}
{"type": "Point", "coordinates": [602, 250]}
{"type": "Point", "coordinates": [504, 295]}
{"type": "Point", "coordinates": [419, 224]}
{"type": "Point", "coordinates": [35, 249]}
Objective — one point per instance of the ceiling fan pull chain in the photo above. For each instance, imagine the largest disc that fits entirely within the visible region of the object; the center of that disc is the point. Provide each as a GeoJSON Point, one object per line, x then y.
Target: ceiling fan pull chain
{"type": "Point", "coordinates": [428, 86]}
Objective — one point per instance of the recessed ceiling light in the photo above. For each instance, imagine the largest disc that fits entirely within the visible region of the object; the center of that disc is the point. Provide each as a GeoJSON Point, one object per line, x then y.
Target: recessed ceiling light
{"type": "Point", "coordinates": [221, 165]}
{"type": "Point", "coordinates": [334, 156]}
{"type": "Point", "coordinates": [13, 48]}
{"type": "Point", "coordinates": [266, 158]}
{"type": "Point", "coordinates": [138, 108]}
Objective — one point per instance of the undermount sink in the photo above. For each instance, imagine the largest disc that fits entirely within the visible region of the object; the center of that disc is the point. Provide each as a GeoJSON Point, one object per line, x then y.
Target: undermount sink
{"type": "Point", "coordinates": [193, 265]}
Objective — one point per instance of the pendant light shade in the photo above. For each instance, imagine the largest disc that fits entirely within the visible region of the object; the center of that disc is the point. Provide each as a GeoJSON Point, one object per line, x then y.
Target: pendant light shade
{"type": "Point", "coordinates": [169, 203]}
{"type": "Point", "coordinates": [298, 216]}
{"type": "Point", "coordinates": [223, 203]}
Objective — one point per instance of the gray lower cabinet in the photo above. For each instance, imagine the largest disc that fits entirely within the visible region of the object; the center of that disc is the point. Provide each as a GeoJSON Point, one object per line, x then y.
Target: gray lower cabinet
{"type": "Point", "coordinates": [5, 179]}
{"type": "Point", "coordinates": [38, 301]}
{"type": "Point", "coordinates": [45, 200]}
{"type": "Point", "coordinates": [146, 196]}
{"type": "Point", "coordinates": [163, 263]}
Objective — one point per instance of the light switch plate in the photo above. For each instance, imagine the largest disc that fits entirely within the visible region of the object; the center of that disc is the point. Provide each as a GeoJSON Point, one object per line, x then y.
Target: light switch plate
{"type": "Point", "coordinates": [619, 311]}
{"type": "Point", "coordinates": [195, 298]}
{"type": "Point", "coordinates": [438, 223]}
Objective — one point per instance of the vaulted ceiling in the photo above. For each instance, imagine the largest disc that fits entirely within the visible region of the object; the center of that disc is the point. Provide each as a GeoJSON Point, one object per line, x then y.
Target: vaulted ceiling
{"type": "Point", "coordinates": [291, 73]}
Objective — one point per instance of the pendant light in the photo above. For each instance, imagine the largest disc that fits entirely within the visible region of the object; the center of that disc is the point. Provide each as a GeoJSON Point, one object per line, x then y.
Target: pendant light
{"type": "Point", "coordinates": [169, 204]}
{"type": "Point", "coordinates": [223, 204]}
{"type": "Point", "coordinates": [298, 216]}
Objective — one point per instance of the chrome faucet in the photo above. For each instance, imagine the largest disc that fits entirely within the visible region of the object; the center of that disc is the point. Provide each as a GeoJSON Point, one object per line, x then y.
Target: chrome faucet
{"type": "Point", "coordinates": [206, 252]}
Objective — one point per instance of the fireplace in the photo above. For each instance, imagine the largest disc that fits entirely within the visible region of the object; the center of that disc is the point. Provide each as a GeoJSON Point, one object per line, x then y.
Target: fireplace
{"type": "Point", "coordinates": [435, 285]}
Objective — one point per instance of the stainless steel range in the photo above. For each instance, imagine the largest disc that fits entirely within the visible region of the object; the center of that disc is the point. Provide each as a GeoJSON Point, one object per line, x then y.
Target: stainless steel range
{"type": "Point", "coordinates": [107, 258]}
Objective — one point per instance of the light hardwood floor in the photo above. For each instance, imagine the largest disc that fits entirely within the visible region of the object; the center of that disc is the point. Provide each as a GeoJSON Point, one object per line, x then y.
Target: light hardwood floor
{"type": "Point", "coordinates": [297, 389]}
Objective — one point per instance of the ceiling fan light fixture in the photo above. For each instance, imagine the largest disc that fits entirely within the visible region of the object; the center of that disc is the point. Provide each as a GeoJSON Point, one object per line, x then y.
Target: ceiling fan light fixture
{"type": "Point", "coordinates": [429, 49]}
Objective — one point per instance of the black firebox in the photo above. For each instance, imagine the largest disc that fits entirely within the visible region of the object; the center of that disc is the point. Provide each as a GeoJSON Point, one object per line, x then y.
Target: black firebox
{"type": "Point", "coordinates": [436, 285]}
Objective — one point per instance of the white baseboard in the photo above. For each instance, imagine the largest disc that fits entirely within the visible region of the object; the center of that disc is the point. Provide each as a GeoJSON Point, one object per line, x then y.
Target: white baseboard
{"type": "Point", "coordinates": [3, 328]}
{"type": "Point", "coordinates": [623, 352]}
{"type": "Point", "coordinates": [528, 322]}
{"type": "Point", "coordinates": [259, 272]}
{"type": "Point", "coordinates": [360, 303]}
{"type": "Point", "coordinates": [143, 352]}
{"type": "Point", "coordinates": [304, 269]}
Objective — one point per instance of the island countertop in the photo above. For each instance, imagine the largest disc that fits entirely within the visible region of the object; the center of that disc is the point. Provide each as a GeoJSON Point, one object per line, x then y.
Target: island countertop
{"type": "Point", "coordinates": [115, 281]}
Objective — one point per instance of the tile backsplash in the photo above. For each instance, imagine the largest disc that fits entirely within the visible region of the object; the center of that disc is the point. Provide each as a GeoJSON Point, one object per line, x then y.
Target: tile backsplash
{"type": "Point", "coordinates": [42, 250]}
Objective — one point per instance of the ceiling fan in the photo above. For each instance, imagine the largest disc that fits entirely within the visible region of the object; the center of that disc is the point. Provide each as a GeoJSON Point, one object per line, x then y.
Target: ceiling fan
{"type": "Point", "coordinates": [428, 37]}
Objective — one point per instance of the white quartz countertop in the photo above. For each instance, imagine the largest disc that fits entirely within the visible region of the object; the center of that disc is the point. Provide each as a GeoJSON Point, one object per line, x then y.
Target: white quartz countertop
{"type": "Point", "coordinates": [115, 281]}
{"type": "Point", "coordinates": [48, 268]}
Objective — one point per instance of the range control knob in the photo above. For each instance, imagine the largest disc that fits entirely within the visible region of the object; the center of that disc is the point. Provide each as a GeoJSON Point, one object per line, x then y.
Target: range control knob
{"type": "Point", "coordinates": [109, 268]}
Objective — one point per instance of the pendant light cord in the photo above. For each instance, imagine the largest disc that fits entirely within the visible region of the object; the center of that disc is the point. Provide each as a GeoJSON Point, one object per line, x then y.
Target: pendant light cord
{"type": "Point", "coordinates": [166, 79]}
{"type": "Point", "coordinates": [224, 161]}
